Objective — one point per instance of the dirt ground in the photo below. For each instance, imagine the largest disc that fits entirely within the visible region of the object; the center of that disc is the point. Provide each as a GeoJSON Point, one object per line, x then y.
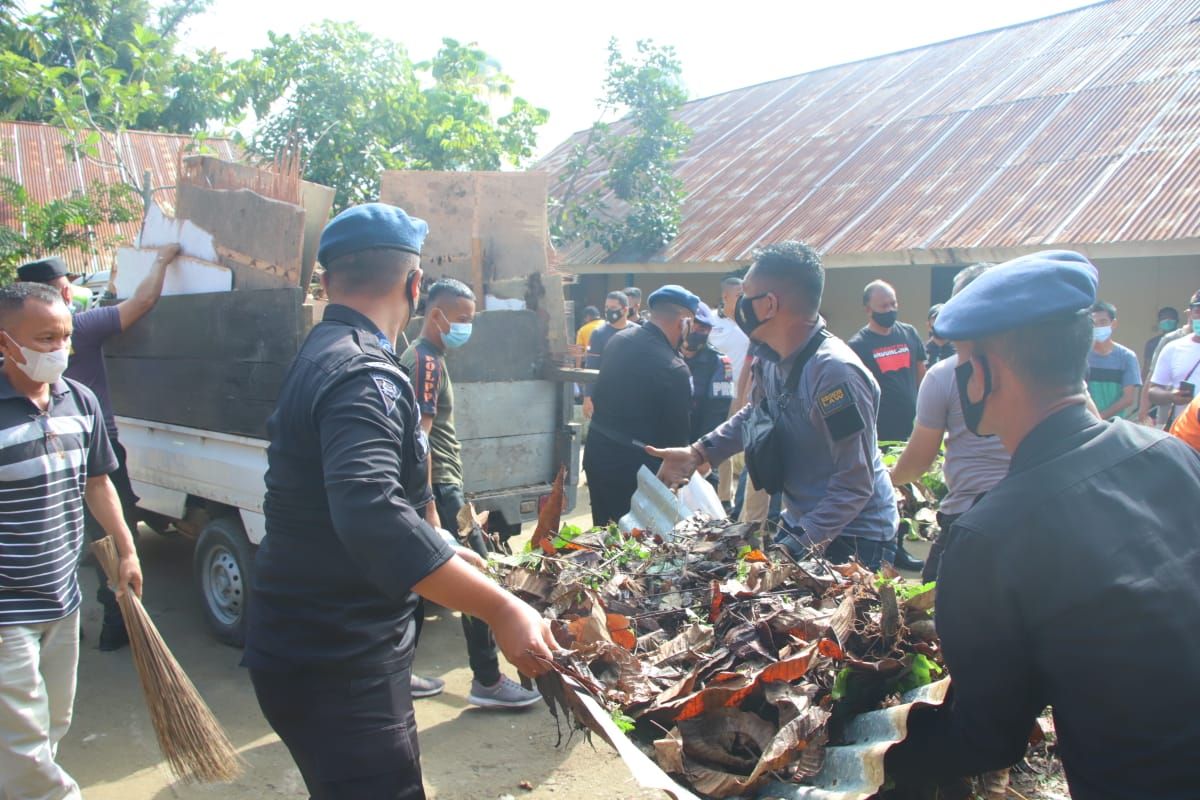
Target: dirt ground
{"type": "Point", "coordinates": [466, 752]}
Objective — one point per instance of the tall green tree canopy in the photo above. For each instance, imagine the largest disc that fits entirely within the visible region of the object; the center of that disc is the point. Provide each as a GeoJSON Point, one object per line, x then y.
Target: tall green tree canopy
{"type": "Point", "coordinates": [357, 104]}
{"type": "Point", "coordinates": [638, 155]}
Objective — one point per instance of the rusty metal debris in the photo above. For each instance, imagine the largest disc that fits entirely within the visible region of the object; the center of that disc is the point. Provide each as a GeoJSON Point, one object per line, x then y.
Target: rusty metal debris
{"type": "Point", "coordinates": [718, 667]}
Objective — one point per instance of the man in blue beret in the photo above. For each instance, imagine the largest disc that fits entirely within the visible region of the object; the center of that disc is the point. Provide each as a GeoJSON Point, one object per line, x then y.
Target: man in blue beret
{"type": "Point", "coordinates": [642, 397]}
{"type": "Point", "coordinates": [1072, 583]}
{"type": "Point", "coordinates": [330, 630]}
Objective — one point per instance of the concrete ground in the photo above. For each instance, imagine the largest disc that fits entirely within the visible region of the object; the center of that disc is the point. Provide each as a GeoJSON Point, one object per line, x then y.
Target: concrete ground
{"type": "Point", "coordinates": [466, 752]}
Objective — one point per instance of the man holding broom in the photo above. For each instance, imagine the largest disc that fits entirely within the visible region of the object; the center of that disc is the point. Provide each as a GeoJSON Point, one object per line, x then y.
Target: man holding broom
{"type": "Point", "coordinates": [54, 456]}
{"type": "Point", "coordinates": [330, 632]}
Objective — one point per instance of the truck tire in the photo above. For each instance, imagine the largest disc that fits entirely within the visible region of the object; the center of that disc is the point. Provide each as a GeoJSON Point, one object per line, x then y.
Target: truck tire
{"type": "Point", "coordinates": [222, 563]}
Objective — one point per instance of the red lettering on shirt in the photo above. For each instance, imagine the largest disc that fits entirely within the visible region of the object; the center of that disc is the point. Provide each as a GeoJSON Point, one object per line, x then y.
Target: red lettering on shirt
{"type": "Point", "coordinates": [892, 358]}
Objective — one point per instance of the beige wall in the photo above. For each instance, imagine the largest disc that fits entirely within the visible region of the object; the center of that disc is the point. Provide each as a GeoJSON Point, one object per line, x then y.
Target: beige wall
{"type": "Point", "coordinates": [1138, 287]}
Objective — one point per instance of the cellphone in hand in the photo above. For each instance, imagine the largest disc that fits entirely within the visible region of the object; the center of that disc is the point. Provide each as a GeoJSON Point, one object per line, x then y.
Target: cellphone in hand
{"type": "Point", "coordinates": [1187, 388]}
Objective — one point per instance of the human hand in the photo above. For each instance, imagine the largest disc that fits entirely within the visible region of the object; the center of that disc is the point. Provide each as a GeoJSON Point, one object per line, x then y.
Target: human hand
{"type": "Point", "coordinates": [524, 637]}
{"type": "Point", "coordinates": [678, 464]}
{"type": "Point", "coordinates": [589, 408]}
{"type": "Point", "coordinates": [129, 575]}
{"type": "Point", "coordinates": [166, 254]}
{"type": "Point", "coordinates": [471, 557]}
{"type": "Point", "coordinates": [1181, 397]}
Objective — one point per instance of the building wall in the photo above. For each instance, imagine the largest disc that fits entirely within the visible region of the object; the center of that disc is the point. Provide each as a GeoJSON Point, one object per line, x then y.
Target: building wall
{"type": "Point", "coordinates": [1138, 287]}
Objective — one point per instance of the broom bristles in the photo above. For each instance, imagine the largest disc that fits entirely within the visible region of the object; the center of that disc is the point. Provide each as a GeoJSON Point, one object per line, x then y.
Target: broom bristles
{"type": "Point", "coordinates": [191, 739]}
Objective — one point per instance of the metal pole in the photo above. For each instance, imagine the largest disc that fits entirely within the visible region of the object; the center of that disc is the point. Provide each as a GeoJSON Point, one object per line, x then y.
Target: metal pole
{"type": "Point", "coordinates": [147, 191]}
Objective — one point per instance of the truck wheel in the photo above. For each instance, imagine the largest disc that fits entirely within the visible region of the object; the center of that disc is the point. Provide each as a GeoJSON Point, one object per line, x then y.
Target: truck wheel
{"type": "Point", "coordinates": [222, 564]}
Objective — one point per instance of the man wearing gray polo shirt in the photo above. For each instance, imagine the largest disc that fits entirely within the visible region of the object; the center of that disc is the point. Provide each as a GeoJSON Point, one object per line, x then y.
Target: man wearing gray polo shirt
{"type": "Point", "coordinates": [54, 457]}
{"type": "Point", "coordinates": [974, 464]}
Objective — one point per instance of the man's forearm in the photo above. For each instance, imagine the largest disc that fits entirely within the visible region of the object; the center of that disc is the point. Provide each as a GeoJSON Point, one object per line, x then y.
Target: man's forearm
{"type": "Point", "coordinates": [458, 585]}
{"type": "Point", "coordinates": [1160, 395]}
{"type": "Point", "coordinates": [105, 505]}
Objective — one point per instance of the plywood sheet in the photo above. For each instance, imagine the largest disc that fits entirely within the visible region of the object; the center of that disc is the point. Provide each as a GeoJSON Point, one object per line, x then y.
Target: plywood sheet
{"type": "Point", "coordinates": [264, 229]}
{"type": "Point", "coordinates": [506, 211]}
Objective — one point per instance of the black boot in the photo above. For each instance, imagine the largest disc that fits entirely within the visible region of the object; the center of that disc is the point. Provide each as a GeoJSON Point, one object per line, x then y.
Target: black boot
{"type": "Point", "coordinates": [905, 560]}
{"type": "Point", "coordinates": [113, 635]}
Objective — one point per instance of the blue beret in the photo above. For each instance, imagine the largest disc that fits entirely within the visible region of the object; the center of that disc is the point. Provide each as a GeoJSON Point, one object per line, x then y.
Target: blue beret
{"type": "Point", "coordinates": [705, 315]}
{"type": "Point", "coordinates": [678, 295]}
{"type": "Point", "coordinates": [368, 227]}
{"type": "Point", "coordinates": [1017, 293]}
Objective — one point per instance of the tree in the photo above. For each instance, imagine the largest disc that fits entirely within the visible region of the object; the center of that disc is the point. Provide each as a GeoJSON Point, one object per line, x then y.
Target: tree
{"type": "Point", "coordinates": [357, 105]}
{"type": "Point", "coordinates": [41, 229]}
{"type": "Point", "coordinates": [638, 155]}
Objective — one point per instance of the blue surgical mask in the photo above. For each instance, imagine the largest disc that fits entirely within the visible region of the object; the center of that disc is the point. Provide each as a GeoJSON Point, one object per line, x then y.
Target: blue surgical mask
{"type": "Point", "coordinates": [1167, 325]}
{"type": "Point", "coordinates": [458, 334]}
{"type": "Point", "coordinates": [1102, 333]}
{"type": "Point", "coordinates": [1196, 326]}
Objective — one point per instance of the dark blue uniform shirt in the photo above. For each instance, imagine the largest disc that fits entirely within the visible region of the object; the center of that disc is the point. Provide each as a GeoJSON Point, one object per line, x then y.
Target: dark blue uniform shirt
{"type": "Point", "coordinates": [1074, 584]}
{"type": "Point", "coordinates": [347, 471]}
{"type": "Point", "coordinates": [712, 389]}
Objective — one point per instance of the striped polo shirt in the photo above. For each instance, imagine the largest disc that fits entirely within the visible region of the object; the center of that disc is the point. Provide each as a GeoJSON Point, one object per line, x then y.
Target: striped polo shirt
{"type": "Point", "coordinates": [45, 461]}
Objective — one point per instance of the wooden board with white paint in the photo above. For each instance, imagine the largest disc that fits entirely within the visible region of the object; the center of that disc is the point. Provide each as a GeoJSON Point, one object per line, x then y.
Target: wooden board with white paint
{"type": "Point", "coordinates": [185, 275]}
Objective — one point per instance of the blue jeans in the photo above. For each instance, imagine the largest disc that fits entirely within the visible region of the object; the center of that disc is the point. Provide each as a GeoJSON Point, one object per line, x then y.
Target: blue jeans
{"type": "Point", "coordinates": [870, 553]}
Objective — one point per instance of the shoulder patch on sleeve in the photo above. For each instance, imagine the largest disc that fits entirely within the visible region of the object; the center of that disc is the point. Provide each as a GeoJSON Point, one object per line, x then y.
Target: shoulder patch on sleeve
{"type": "Point", "coordinates": [388, 391]}
{"type": "Point", "coordinates": [841, 414]}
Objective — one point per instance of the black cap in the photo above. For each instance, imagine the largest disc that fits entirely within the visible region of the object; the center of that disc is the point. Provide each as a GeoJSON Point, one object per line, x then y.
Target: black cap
{"type": "Point", "coordinates": [43, 271]}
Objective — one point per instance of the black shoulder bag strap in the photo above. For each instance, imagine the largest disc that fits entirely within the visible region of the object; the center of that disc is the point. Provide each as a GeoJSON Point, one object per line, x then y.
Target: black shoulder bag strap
{"type": "Point", "coordinates": [793, 378]}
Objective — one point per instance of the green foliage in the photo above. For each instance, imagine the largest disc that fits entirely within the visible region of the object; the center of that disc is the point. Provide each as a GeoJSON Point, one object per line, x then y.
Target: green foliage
{"type": "Point", "coordinates": [40, 229]}
{"type": "Point", "coordinates": [636, 154]}
{"type": "Point", "coordinates": [623, 721]}
{"type": "Point", "coordinates": [357, 105]}
{"type": "Point", "coordinates": [921, 672]}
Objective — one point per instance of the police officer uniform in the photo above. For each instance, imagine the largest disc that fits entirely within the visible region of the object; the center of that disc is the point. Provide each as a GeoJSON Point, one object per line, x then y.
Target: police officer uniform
{"type": "Point", "coordinates": [330, 629]}
{"type": "Point", "coordinates": [712, 381]}
{"type": "Point", "coordinates": [643, 396]}
{"type": "Point", "coordinates": [836, 491]}
{"type": "Point", "coordinates": [1071, 584]}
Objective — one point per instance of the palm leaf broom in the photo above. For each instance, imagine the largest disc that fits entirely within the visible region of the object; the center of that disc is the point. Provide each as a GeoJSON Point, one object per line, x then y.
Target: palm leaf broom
{"type": "Point", "coordinates": [195, 745]}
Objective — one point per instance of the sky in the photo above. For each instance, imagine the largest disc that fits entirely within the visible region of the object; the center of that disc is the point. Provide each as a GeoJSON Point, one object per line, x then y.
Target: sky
{"type": "Point", "coordinates": [555, 52]}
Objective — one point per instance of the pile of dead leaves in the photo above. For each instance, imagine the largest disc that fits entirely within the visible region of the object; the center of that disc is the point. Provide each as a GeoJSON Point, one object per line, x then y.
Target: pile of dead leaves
{"type": "Point", "coordinates": [729, 664]}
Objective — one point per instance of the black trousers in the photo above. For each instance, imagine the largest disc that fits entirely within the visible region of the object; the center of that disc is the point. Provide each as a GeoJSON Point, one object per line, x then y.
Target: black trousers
{"type": "Point", "coordinates": [481, 645]}
{"type": "Point", "coordinates": [934, 559]}
{"type": "Point", "coordinates": [353, 738]}
{"type": "Point", "coordinates": [611, 490]}
{"type": "Point", "coordinates": [120, 481]}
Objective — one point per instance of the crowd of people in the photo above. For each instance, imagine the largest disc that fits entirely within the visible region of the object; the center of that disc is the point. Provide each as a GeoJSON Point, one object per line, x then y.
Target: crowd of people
{"type": "Point", "coordinates": [1068, 549]}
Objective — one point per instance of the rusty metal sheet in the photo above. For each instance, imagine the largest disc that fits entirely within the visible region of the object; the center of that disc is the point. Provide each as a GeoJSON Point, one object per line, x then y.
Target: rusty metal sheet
{"type": "Point", "coordinates": [37, 157]}
{"type": "Point", "coordinates": [1078, 128]}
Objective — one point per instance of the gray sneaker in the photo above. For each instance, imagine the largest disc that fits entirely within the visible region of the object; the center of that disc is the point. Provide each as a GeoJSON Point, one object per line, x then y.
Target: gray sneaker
{"type": "Point", "coordinates": [505, 693]}
{"type": "Point", "coordinates": [425, 687]}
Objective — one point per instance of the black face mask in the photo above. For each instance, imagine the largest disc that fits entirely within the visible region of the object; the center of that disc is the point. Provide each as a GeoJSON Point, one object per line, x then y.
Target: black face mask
{"type": "Point", "coordinates": [695, 340]}
{"type": "Point", "coordinates": [972, 412]}
{"type": "Point", "coordinates": [884, 319]}
{"type": "Point", "coordinates": [613, 314]}
{"type": "Point", "coordinates": [744, 314]}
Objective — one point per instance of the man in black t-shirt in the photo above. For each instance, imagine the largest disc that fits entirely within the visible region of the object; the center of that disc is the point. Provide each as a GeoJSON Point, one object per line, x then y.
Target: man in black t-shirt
{"type": "Point", "coordinates": [894, 353]}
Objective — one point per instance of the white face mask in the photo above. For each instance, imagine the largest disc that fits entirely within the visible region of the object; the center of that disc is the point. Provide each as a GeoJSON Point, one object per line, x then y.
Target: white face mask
{"type": "Point", "coordinates": [42, 367]}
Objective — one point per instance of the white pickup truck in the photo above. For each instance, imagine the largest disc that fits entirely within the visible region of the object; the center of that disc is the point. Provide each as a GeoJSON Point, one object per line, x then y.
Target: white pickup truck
{"type": "Point", "coordinates": [193, 384]}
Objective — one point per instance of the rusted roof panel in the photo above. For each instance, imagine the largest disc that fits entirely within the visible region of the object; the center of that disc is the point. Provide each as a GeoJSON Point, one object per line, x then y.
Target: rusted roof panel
{"type": "Point", "coordinates": [37, 157]}
{"type": "Point", "coordinates": [1079, 128]}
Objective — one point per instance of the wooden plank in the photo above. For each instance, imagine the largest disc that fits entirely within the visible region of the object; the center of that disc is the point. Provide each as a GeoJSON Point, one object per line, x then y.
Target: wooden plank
{"type": "Point", "coordinates": [505, 210]}
{"type": "Point", "coordinates": [258, 326]}
{"type": "Point", "coordinates": [231, 397]}
{"type": "Point", "coordinates": [317, 201]}
{"type": "Point", "coordinates": [265, 229]}
{"type": "Point", "coordinates": [209, 172]}
{"type": "Point", "coordinates": [508, 408]}
{"type": "Point", "coordinates": [256, 273]}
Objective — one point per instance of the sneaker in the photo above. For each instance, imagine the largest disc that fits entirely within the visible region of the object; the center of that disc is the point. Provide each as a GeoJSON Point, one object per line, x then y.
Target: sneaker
{"type": "Point", "coordinates": [426, 687]}
{"type": "Point", "coordinates": [906, 560]}
{"type": "Point", "coordinates": [113, 637]}
{"type": "Point", "coordinates": [505, 693]}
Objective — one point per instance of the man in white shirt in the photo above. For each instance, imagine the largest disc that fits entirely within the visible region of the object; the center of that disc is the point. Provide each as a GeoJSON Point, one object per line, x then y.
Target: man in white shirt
{"type": "Point", "coordinates": [727, 337]}
{"type": "Point", "coordinates": [1175, 374]}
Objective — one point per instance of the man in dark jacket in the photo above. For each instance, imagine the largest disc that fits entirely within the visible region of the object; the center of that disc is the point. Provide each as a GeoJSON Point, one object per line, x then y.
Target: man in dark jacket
{"type": "Point", "coordinates": [1072, 583]}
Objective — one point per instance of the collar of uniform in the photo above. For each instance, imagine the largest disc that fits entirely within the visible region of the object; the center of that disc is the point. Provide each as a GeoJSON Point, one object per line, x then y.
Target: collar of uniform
{"type": "Point", "coordinates": [1058, 433]}
{"type": "Point", "coordinates": [787, 361]}
{"type": "Point", "coordinates": [7, 392]}
{"type": "Point", "coordinates": [335, 312]}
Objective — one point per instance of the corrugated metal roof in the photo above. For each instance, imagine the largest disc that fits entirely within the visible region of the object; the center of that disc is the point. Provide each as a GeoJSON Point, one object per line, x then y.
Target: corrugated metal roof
{"type": "Point", "coordinates": [1081, 128]}
{"type": "Point", "coordinates": [37, 157]}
